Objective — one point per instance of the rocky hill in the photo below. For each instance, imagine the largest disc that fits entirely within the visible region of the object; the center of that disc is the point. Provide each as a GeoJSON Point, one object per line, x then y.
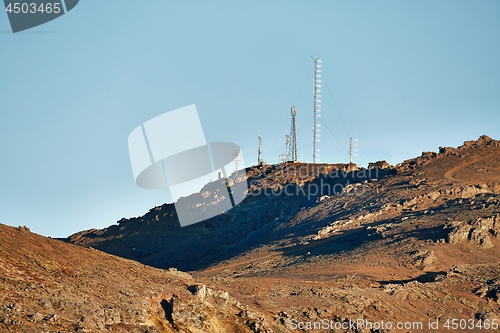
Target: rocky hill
{"type": "Point", "coordinates": [327, 247]}
{"type": "Point", "coordinates": [414, 242]}
{"type": "Point", "coordinates": [420, 245]}
{"type": "Point", "coordinates": [277, 194]}
{"type": "Point", "coordinates": [51, 286]}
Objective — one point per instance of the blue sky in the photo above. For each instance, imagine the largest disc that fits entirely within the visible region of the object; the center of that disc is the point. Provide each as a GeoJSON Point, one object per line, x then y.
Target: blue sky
{"type": "Point", "coordinates": [402, 77]}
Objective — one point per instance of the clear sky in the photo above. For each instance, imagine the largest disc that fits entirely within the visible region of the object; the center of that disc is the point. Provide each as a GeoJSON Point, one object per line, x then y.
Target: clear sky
{"type": "Point", "coordinates": [402, 77]}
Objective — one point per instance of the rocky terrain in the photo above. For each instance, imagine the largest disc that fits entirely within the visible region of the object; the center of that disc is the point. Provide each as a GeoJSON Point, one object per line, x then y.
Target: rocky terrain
{"type": "Point", "coordinates": [277, 193]}
{"type": "Point", "coordinates": [330, 247]}
{"type": "Point", "coordinates": [414, 247]}
{"type": "Point", "coordinates": [51, 286]}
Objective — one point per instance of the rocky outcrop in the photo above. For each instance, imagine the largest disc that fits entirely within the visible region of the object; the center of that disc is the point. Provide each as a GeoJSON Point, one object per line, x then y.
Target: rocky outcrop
{"type": "Point", "coordinates": [209, 310]}
{"type": "Point", "coordinates": [462, 151]}
{"type": "Point", "coordinates": [379, 164]}
{"type": "Point", "coordinates": [466, 191]}
{"type": "Point", "coordinates": [479, 231]}
{"type": "Point", "coordinates": [490, 291]}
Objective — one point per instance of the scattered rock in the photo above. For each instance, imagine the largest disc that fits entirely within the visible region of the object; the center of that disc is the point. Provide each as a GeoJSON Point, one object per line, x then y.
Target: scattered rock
{"type": "Point", "coordinates": [478, 231]}
{"type": "Point", "coordinates": [379, 164]}
{"type": "Point", "coordinates": [35, 317]}
{"type": "Point", "coordinates": [424, 259]}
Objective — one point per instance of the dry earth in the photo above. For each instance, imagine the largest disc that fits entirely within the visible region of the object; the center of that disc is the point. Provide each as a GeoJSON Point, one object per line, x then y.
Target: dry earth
{"type": "Point", "coordinates": [51, 286]}
{"type": "Point", "coordinates": [407, 244]}
{"type": "Point", "coordinates": [418, 246]}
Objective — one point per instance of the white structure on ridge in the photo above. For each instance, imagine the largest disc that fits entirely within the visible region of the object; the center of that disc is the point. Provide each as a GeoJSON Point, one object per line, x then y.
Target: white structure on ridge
{"type": "Point", "coordinates": [316, 107]}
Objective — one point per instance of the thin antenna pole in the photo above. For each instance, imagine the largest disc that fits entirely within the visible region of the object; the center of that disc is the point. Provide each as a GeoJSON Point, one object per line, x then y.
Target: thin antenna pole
{"type": "Point", "coordinates": [350, 151]}
{"type": "Point", "coordinates": [259, 152]}
{"type": "Point", "coordinates": [236, 159]}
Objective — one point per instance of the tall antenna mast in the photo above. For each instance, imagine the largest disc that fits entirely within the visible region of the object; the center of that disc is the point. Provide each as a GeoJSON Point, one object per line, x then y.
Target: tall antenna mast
{"type": "Point", "coordinates": [293, 137]}
{"type": "Point", "coordinates": [259, 152]}
{"type": "Point", "coordinates": [316, 106]}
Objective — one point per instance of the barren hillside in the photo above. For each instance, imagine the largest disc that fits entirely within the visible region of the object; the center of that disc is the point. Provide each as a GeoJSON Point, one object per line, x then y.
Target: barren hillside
{"type": "Point", "coordinates": [418, 246]}
{"type": "Point", "coordinates": [325, 247]}
{"type": "Point", "coordinates": [51, 286]}
{"type": "Point", "coordinates": [408, 243]}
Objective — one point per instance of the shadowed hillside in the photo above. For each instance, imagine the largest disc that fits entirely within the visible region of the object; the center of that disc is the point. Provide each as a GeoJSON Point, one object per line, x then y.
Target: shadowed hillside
{"type": "Point", "coordinates": [277, 193]}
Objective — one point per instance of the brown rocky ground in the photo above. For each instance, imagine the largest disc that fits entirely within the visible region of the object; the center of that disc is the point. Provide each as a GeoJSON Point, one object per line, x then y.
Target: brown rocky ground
{"type": "Point", "coordinates": [51, 286]}
{"type": "Point", "coordinates": [412, 247]}
{"type": "Point", "coordinates": [409, 244]}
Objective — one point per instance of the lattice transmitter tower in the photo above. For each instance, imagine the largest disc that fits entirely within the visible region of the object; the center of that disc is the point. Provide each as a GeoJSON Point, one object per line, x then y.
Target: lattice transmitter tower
{"type": "Point", "coordinates": [293, 137]}
{"type": "Point", "coordinates": [316, 107]}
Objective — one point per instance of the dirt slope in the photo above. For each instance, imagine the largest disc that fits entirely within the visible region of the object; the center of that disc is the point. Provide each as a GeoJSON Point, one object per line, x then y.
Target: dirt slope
{"type": "Point", "coordinates": [50, 286]}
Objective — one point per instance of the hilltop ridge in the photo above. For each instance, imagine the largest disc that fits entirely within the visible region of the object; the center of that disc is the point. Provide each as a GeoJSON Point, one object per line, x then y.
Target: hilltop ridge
{"type": "Point", "coordinates": [139, 238]}
{"type": "Point", "coordinates": [276, 192]}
